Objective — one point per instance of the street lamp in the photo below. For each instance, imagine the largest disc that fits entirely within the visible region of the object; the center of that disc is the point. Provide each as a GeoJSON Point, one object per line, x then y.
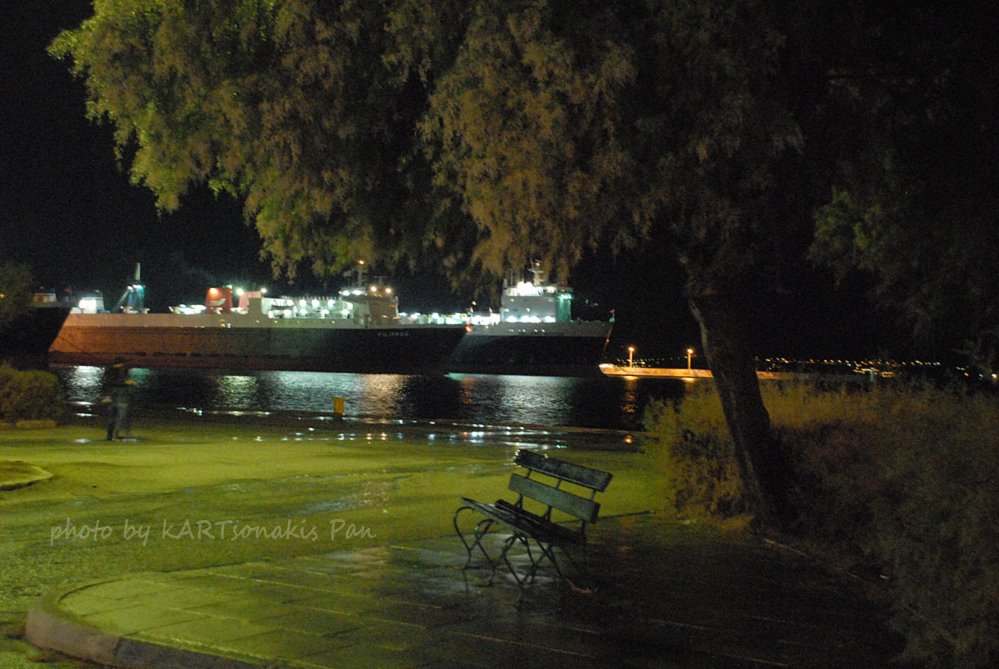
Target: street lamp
{"type": "Point", "coordinates": [631, 354]}
{"type": "Point", "coordinates": [690, 355]}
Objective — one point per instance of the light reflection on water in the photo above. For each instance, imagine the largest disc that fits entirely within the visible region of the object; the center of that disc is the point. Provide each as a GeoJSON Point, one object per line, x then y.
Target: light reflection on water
{"type": "Point", "coordinates": [523, 400]}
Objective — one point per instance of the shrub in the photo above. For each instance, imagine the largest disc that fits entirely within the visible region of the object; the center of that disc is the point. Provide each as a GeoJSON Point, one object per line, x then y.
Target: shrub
{"type": "Point", "coordinates": [935, 527]}
{"type": "Point", "coordinates": [30, 395]}
{"type": "Point", "coordinates": [906, 477]}
{"type": "Point", "coordinates": [696, 455]}
{"type": "Point", "coordinates": [7, 374]}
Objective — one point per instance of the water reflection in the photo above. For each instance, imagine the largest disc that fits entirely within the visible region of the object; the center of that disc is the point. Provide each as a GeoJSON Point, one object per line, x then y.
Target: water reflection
{"type": "Point", "coordinates": [629, 398]}
{"type": "Point", "coordinates": [486, 399]}
{"type": "Point", "coordinates": [80, 382]}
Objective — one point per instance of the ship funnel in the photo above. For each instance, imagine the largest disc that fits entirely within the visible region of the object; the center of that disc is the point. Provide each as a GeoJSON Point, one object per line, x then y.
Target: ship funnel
{"type": "Point", "coordinates": [218, 299]}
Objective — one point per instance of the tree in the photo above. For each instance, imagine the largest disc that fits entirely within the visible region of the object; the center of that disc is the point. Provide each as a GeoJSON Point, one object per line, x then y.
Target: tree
{"type": "Point", "coordinates": [15, 292]}
{"type": "Point", "coordinates": [492, 131]}
{"type": "Point", "coordinates": [915, 199]}
{"type": "Point", "coordinates": [553, 131]}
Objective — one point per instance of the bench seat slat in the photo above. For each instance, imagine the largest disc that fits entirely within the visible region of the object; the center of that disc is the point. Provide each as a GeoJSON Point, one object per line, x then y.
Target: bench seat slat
{"type": "Point", "coordinates": [519, 519]}
{"type": "Point", "coordinates": [551, 532]}
{"type": "Point", "coordinates": [574, 505]}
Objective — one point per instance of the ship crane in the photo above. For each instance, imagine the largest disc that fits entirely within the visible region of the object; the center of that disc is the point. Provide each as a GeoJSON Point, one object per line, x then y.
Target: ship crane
{"type": "Point", "coordinates": [132, 301]}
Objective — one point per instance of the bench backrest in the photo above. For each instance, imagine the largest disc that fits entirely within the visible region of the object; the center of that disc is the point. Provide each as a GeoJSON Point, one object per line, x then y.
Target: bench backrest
{"type": "Point", "coordinates": [567, 471]}
{"type": "Point", "coordinates": [554, 497]}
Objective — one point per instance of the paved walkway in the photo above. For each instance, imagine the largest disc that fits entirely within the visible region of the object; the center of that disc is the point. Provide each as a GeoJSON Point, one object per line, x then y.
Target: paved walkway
{"type": "Point", "coordinates": [668, 595]}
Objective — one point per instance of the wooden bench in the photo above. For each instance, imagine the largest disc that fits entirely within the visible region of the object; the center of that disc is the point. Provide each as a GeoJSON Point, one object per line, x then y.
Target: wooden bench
{"type": "Point", "coordinates": [545, 513]}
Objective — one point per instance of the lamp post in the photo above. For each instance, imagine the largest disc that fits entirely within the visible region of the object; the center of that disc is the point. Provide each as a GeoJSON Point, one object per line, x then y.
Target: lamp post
{"type": "Point", "coordinates": [690, 355]}
{"type": "Point", "coordinates": [631, 354]}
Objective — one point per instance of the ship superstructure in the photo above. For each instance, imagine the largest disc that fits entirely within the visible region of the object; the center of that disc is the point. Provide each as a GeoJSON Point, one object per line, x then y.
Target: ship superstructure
{"type": "Point", "coordinates": [533, 333]}
{"type": "Point", "coordinates": [357, 330]}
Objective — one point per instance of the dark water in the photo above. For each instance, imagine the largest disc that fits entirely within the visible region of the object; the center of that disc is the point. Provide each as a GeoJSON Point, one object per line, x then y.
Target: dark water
{"type": "Point", "coordinates": [614, 403]}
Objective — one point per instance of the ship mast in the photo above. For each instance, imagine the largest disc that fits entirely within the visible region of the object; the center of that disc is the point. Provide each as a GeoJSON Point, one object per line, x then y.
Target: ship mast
{"type": "Point", "coordinates": [133, 299]}
{"type": "Point", "coordinates": [536, 272]}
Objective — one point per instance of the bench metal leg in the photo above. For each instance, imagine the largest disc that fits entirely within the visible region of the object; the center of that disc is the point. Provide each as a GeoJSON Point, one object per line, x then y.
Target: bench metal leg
{"type": "Point", "coordinates": [576, 565]}
{"type": "Point", "coordinates": [528, 578]}
{"type": "Point", "coordinates": [477, 533]}
{"type": "Point", "coordinates": [548, 552]}
{"type": "Point", "coordinates": [473, 538]}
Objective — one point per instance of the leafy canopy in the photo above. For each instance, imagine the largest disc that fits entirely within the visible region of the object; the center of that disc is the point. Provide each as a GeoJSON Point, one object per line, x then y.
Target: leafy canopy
{"type": "Point", "coordinates": [914, 200]}
{"type": "Point", "coordinates": [486, 133]}
{"type": "Point", "coordinates": [284, 103]}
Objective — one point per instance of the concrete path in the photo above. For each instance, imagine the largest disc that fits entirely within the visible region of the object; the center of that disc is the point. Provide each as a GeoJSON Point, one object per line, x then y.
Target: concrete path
{"type": "Point", "coordinates": [668, 595]}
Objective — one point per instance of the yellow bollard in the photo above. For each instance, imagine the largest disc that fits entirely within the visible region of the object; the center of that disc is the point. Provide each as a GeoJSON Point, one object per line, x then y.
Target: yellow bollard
{"type": "Point", "coordinates": [338, 403]}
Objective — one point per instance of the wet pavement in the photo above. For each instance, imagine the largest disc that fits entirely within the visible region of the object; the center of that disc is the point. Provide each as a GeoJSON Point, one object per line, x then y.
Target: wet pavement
{"type": "Point", "coordinates": [665, 594]}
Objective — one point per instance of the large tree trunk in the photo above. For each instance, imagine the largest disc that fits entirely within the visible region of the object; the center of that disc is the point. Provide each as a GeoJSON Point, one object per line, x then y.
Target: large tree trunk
{"type": "Point", "coordinates": [762, 464]}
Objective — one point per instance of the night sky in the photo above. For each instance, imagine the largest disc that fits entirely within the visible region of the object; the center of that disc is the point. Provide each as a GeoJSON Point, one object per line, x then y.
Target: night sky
{"type": "Point", "coordinates": [67, 210]}
{"type": "Point", "coordinates": [67, 207]}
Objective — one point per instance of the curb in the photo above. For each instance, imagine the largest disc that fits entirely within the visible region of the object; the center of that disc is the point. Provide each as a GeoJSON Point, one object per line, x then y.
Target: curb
{"type": "Point", "coordinates": [32, 474]}
{"type": "Point", "coordinates": [50, 627]}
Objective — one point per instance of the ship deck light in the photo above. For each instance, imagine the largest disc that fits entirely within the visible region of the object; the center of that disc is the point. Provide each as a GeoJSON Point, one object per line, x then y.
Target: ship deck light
{"type": "Point", "coordinates": [88, 304]}
{"type": "Point", "coordinates": [525, 289]}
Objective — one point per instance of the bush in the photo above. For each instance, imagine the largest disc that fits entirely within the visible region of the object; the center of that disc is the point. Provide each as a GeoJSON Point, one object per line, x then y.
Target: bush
{"type": "Point", "coordinates": [696, 455]}
{"type": "Point", "coordinates": [935, 527]}
{"type": "Point", "coordinates": [6, 374]}
{"type": "Point", "coordinates": [29, 395]}
{"type": "Point", "coordinates": [906, 477]}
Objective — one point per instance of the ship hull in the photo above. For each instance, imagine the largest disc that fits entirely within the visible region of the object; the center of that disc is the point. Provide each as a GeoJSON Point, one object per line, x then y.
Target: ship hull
{"type": "Point", "coordinates": [243, 343]}
{"type": "Point", "coordinates": [540, 349]}
{"type": "Point", "coordinates": [26, 340]}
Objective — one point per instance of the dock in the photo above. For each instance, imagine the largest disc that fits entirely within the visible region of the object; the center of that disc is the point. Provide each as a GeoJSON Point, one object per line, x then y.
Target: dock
{"type": "Point", "coordinates": [682, 373]}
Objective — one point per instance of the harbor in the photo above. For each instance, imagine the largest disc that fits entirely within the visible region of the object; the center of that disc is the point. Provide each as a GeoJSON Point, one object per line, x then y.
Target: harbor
{"type": "Point", "coordinates": [687, 374]}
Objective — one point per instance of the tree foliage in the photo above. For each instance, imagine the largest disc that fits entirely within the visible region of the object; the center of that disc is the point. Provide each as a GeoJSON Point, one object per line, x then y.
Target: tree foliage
{"type": "Point", "coordinates": [914, 201]}
{"type": "Point", "coordinates": [287, 104]}
{"type": "Point", "coordinates": [525, 128]}
{"type": "Point", "coordinates": [493, 131]}
{"type": "Point", "coordinates": [490, 132]}
{"type": "Point", "coordinates": [15, 292]}
{"type": "Point", "coordinates": [550, 126]}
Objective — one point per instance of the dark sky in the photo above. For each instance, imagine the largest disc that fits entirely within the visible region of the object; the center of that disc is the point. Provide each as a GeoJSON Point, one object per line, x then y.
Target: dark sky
{"type": "Point", "coordinates": [66, 207]}
{"type": "Point", "coordinates": [68, 210]}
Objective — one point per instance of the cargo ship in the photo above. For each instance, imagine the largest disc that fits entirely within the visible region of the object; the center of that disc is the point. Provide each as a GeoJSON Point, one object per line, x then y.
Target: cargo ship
{"type": "Point", "coordinates": [360, 329]}
{"type": "Point", "coordinates": [357, 330]}
{"type": "Point", "coordinates": [533, 333]}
